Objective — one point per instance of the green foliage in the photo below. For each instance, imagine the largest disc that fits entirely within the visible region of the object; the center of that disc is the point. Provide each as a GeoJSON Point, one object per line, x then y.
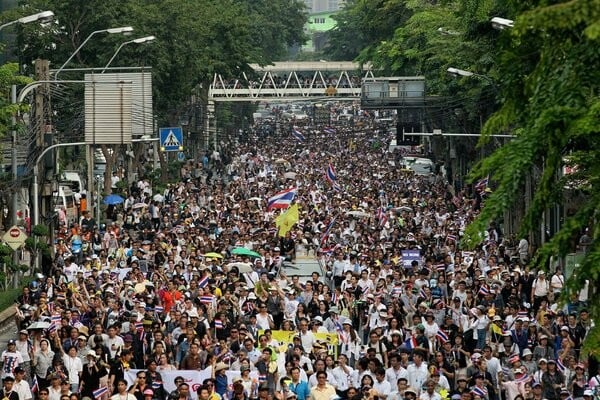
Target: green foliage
{"type": "Point", "coordinates": [552, 104]}
{"type": "Point", "coordinates": [195, 39]}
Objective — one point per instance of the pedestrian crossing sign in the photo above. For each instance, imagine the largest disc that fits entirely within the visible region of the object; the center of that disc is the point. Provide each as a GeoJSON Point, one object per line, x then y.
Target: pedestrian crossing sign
{"type": "Point", "coordinates": [171, 139]}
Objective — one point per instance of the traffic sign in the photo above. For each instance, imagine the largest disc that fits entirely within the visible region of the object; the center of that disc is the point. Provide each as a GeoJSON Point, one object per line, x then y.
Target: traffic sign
{"type": "Point", "coordinates": [15, 237]}
{"type": "Point", "coordinates": [181, 156]}
{"type": "Point", "coordinates": [171, 139]}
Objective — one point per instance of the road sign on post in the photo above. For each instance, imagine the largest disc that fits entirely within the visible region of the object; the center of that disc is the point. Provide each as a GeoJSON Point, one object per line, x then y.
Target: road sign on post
{"type": "Point", "coordinates": [171, 139]}
{"type": "Point", "coordinates": [14, 237]}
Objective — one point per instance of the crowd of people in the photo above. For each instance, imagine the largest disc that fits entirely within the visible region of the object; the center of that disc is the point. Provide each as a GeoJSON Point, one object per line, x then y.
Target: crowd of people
{"type": "Point", "coordinates": [160, 289]}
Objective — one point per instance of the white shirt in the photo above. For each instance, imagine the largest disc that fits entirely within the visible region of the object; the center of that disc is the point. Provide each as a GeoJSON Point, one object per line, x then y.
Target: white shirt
{"type": "Point", "coordinates": [383, 388]}
{"type": "Point", "coordinates": [307, 339]}
{"type": "Point", "coordinates": [114, 345]}
{"type": "Point", "coordinates": [23, 390]}
{"type": "Point", "coordinates": [343, 378]}
{"type": "Point", "coordinates": [417, 375]}
{"type": "Point", "coordinates": [74, 366]}
{"type": "Point", "coordinates": [392, 375]}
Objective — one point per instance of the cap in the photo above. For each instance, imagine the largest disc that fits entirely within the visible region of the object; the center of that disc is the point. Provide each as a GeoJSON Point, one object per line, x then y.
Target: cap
{"type": "Point", "coordinates": [536, 384]}
{"type": "Point", "coordinates": [11, 341]}
{"type": "Point", "coordinates": [410, 390]}
{"type": "Point", "coordinates": [588, 392]}
{"type": "Point", "coordinates": [148, 392]}
{"type": "Point", "coordinates": [291, 395]}
{"type": "Point", "coordinates": [24, 332]}
{"type": "Point", "coordinates": [497, 318]}
{"type": "Point", "coordinates": [91, 353]}
{"type": "Point", "coordinates": [542, 360]}
{"type": "Point", "coordinates": [527, 352]}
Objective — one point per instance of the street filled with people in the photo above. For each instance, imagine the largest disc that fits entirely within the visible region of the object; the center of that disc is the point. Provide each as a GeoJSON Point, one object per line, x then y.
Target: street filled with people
{"type": "Point", "coordinates": [182, 294]}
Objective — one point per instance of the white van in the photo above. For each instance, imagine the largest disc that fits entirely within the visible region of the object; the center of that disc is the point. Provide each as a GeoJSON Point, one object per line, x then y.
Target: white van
{"type": "Point", "coordinates": [73, 180]}
{"type": "Point", "coordinates": [65, 198]}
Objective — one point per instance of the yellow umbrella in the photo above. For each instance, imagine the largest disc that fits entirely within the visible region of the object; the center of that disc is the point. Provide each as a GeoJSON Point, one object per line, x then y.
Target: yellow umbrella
{"type": "Point", "coordinates": [213, 255]}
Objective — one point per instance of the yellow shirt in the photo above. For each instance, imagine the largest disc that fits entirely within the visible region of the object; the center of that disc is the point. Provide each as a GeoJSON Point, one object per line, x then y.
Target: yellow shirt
{"type": "Point", "coordinates": [326, 393]}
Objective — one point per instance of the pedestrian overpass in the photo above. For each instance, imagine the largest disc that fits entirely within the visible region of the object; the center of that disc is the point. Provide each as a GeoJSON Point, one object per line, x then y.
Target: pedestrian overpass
{"type": "Point", "coordinates": [296, 80]}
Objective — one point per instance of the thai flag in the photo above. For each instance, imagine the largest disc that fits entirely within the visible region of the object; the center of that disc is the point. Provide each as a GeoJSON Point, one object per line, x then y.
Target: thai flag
{"type": "Point", "coordinates": [483, 290]}
{"type": "Point", "coordinates": [422, 293]}
{"type": "Point", "coordinates": [159, 309]}
{"type": "Point", "coordinates": [330, 173]}
{"type": "Point", "coordinates": [52, 328]}
{"type": "Point", "coordinates": [142, 336]}
{"type": "Point", "coordinates": [156, 385]}
{"type": "Point", "coordinates": [480, 391]}
{"type": "Point", "coordinates": [327, 231]}
{"type": "Point", "coordinates": [329, 130]}
{"type": "Point", "coordinates": [442, 336]}
{"type": "Point", "coordinates": [249, 307]}
{"type": "Point", "coordinates": [524, 378]}
{"type": "Point", "coordinates": [382, 215]}
{"type": "Point", "coordinates": [522, 314]}
{"type": "Point", "coordinates": [139, 326]}
{"type": "Point", "coordinates": [513, 358]}
{"type": "Point", "coordinates": [203, 282]}
{"type": "Point", "coordinates": [411, 343]}
{"type": "Point", "coordinates": [282, 199]}
{"type": "Point", "coordinates": [262, 378]}
{"type": "Point", "coordinates": [218, 324]}
{"type": "Point", "coordinates": [298, 135]}
{"type": "Point", "coordinates": [206, 299]}
{"type": "Point", "coordinates": [451, 238]}
{"type": "Point", "coordinates": [99, 392]}
{"type": "Point", "coordinates": [34, 384]}
{"type": "Point", "coordinates": [334, 297]}
{"type": "Point", "coordinates": [338, 326]}
{"type": "Point", "coordinates": [560, 365]}
{"type": "Point", "coordinates": [397, 291]}
{"type": "Point", "coordinates": [441, 267]}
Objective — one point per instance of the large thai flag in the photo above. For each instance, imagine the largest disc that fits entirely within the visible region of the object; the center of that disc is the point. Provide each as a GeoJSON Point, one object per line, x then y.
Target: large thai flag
{"type": "Point", "coordinates": [282, 199]}
{"type": "Point", "coordinates": [203, 282]}
{"type": "Point", "coordinates": [329, 130]}
{"type": "Point", "coordinates": [442, 336]}
{"type": "Point", "coordinates": [299, 136]}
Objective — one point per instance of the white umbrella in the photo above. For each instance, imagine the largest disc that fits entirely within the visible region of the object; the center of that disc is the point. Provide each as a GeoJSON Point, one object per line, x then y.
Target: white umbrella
{"type": "Point", "coordinates": [39, 325]}
{"type": "Point", "coordinates": [241, 266]}
{"type": "Point", "coordinates": [290, 175]}
{"type": "Point", "coordinates": [404, 208]}
{"type": "Point", "coordinates": [359, 214]}
{"type": "Point", "coordinates": [158, 197]}
{"type": "Point", "coordinates": [139, 205]}
{"type": "Point", "coordinates": [255, 199]}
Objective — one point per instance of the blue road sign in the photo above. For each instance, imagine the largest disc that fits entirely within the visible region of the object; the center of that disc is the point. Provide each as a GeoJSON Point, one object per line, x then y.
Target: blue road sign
{"type": "Point", "coordinates": [181, 156]}
{"type": "Point", "coordinates": [171, 139]}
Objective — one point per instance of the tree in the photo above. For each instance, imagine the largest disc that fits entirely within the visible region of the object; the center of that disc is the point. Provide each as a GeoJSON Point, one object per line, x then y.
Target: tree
{"type": "Point", "coordinates": [548, 64]}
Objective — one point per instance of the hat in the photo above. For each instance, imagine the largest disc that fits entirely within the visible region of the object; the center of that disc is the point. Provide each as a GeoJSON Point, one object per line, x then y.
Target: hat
{"type": "Point", "coordinates": [128, 338]}
{"type": "Point", "coordinates": [456, 397]}
{"type": "Point", "coordinates": [317, 319]}
{"type": "Point", "coordinates": [542, 360]}
{"type": "Point", "coordinates": [193, 314]}
{"type": "Point", "coordinates": [527, 352]}
{"type": "Point", "coordinates": [395, 332]}
{"type": "Point", "coordinates": [542, 337]}
{"type": "Point", "coordinates": [81, 337]}
{"type": "Point", "coordinates": [221, 366]}
{"type": "Point", "coordinates": [410, 390]}
{"type": "Point", "coordinates": [291, 395]}
{"type": "Point", "coordinates": [536, 384]}
{"type": "Point", "coordinates": [91, 353]}
{"type": "Point", "coordinates": [148, 392]}
{"type": "Point", "coordinates": [11, 341]}
{"type": "Point", "coordinates": [588, 392]}
{"type": "Point", "coordinates": [497, 318]}
{"type": "Point", "coordinates": [551, 361]}
{"type": "Point", "coordinates": [24, 332]}
{"type": "Point", "coordinates": [334, 309]}
{"type": "Point", "coordinates": [564, 328]}
{"type": "Point", "coordinates": [461, 378]}
{"type": "Point", "coordinates": [541, 273]}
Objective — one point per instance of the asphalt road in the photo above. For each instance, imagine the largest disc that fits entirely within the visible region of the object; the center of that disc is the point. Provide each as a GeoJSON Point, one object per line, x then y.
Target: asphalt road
{"type": "Point", "coordinates": [7, 332]}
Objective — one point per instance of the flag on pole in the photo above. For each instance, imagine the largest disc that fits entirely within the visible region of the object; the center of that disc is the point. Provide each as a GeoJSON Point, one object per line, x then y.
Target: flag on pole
{"type": "Point", "coordinates": [330, 173]}
{"type": "Point", "coordinates": [218, 324]}
{"type": "Point", "coordinates": [327, 231]}
{"type": "Point", "coordinates": [159, 309]}
{"type": "Point", "coordinates": [286, 221]}
{"type": "Point", "coordinates": [299, 136]}
{"type": "Point", "coordinates": [34, 384]}
{"type": "Point", "coordinates": [484, 291]}
{"type": "Point", "coordinates": [282, 199]}
{"type": "Point", "coordinates": [206, 299]}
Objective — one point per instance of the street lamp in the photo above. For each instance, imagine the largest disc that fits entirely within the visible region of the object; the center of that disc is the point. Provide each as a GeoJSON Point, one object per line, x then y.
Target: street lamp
{"type": "Point", "coordinates": [43, 17]}
{"type": "Point", "coordinates": [502, 23]}
{"type": "Point", "coordinates": [124, 30]}
{"type": "Point", "coordinates": [461, 72]}
{"type": "Point", "coordinates": [136, 41]}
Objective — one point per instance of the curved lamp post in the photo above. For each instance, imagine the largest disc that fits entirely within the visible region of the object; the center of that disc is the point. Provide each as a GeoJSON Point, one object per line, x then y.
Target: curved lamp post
{"type": "Point", "coordinates": [144, 39]}
{"type": "Point", "coordinates": [123, 30]}
{"type": "Point", "coordinates": [44, 16]}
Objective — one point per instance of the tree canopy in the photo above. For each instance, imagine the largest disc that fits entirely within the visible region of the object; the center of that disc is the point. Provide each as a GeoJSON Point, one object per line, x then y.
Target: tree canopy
{"type": "Point", "coordinates": [194, 39]}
